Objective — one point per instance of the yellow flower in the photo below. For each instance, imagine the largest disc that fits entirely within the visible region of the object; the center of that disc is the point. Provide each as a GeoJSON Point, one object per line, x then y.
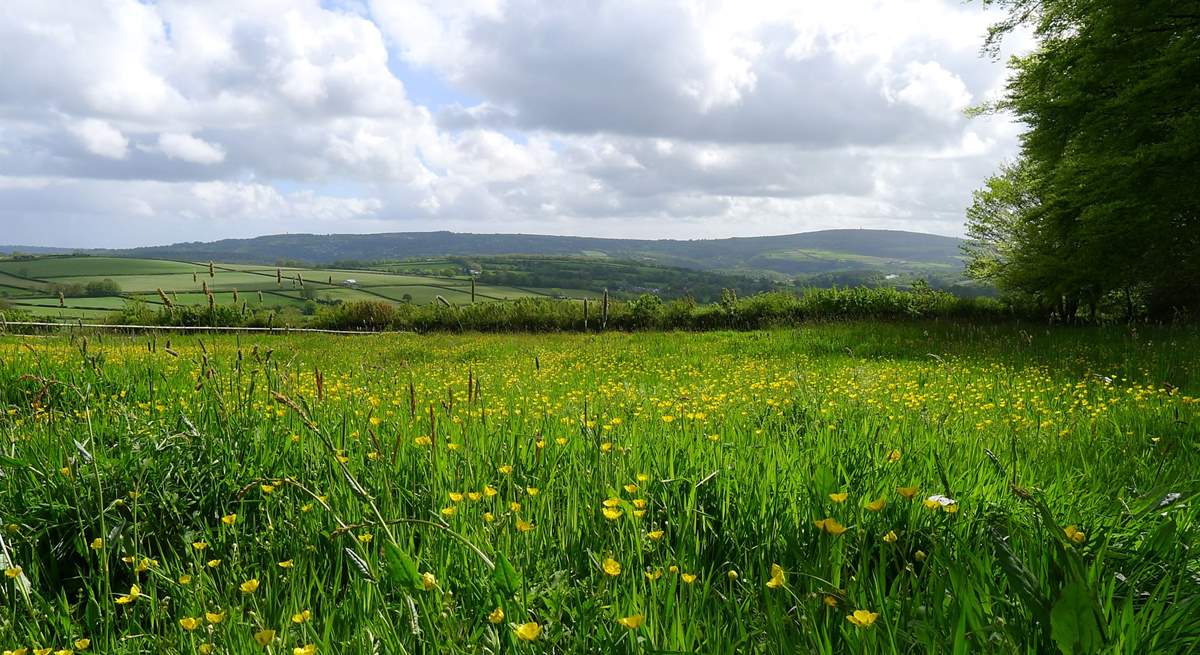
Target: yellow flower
{"type": "Point", "coordinates": [190, 623]}
{"type": "Point", "coordinates": [655, 535]}
{"type": "Point", "coordinates": [611, 514]}
{"type": "Point", "coordinates": [286, 564]}
{"type": "Point", "coordinates": [654, 575]}
{"type": "Point", "coordinates": [488, 491]}
{"type": "Point", "coordinates": [267, 489]}
{"type": "Point", "coordinates": [562, 441]}
{"type": "Point", "coordinates": [506, 469]}
{"type": "Point", "coordinates": [907, 492]}
{"type": "Point", "coordinates": [876, 505]}
{"type": "Point", "coordinates": [611, 502]}
{"type": "Point", "coordinates": [423, 441]}
{"type": "Point", "coordinates": [532, 491]}
{"type": "Point", "coordinates": [919, 555]}
{"type": "Point", "coordinates": [606, 447]}
{"type": "Point", "coordinates": [893, 456]}
{"type": "Point", "coordinates": [20, 651]}
{"type": "Point", "coordinates": [428, 580]}
{"type": "Point", "coordinates": [135, 592]}
{"type": "Point", "coordinates": [528, 631]}
{"type": "Point", "coordinates": [496, 616]}
{"type": "Point", "coordinates": [307, 649]}
{"type": "Point", "coordinates": [301, 617]}
{"type": "Point", "coordinates": [673, 569]}
{"type": "Point", "coordinates": [206, 649]}
{"type": "Point", "coordinates": [42, 651]}
{"type": "Point", "coordinates": [778, 577]}
{"type": "Point", "coordinates": [639, 503]}
{"type": "Point", "coordinates": [890, 537]}
{"type": "Point", "coordinates": [688, 578]}
{"type": "Point", "coordinates": [524, 526]}
{"type": "Point", "coordinates": [487, 516]}
{"type": "Point", "coordinates": [449, 511]}
{"type": "Point", "coordinates": [83, 643]}
{"type": "Point", "coordinates": [214, 617]}
{"type": "Point", "coordinates": [185, 579]}
{"type": "Point", "coordinates": [97, 543]}
{"type": "Point", "coordinates": [612, 566]}
{"type": "Point", "coordinates": [631, 488]}
{"type": "Point", "coordinates": [839, 497]}
{"type": "Point", "coordinates": [632, 622]}
{"type": "Point", "coordinates": [830, 526]}
{"type": "Point", "coordinates": [862, 618]}
{"type": "Point", "coordinates": [514, 506]}
{"type": "Point", "coordinates": [65, 471]}
{"type": "Point", "coordinates": [229, 519]}
{"type": "Point", "coordinates": [366, 537]}
{"type": "Point", "coordinates": [250, 586]}
{"type": "Point", "coordinates": [455, 496]}
{"type": "Point", "coordinates": [264, 637]}
{"type": "Point", "coordinates": [199, 545]}
{"type": "Point", "coordinates": [1073, 533]}
{"type": "Point", "coordinates": [13, 571]}
{"type": "Point", "coordinates": [643, 477]}
{"type": "Point", "coordinates": [474, 496]}
{"type": "Point", "coordinates": [732, 575]}
{"type": "Point", "coordinates": [829, 600]}
{"type": "Point", "coordinates": [213, 563]}
{"type": "Point", "coordinates": [540, 443]}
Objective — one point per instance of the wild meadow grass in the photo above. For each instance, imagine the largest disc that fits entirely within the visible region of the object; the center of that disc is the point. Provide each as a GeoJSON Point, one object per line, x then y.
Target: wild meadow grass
{"type": "Point", "coordinates": [839, 488]}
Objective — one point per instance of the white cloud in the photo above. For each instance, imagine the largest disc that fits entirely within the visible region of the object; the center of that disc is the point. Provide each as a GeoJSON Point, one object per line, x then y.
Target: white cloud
{"type": "Point", "coordinates": [100, 138]}
{"type": "Point", "coordinates": [190, 149]}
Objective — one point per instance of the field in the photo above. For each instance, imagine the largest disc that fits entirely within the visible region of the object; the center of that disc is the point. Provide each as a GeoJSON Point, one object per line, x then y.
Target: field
{"type": "Point", "coordinates": [30, 285]}
{"type": "Point", "coordinates": [837, 489]}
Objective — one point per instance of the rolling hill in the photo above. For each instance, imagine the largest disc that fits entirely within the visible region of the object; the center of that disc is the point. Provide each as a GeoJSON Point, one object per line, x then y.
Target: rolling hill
{"type": "Point", "coordinates": [791, 255]}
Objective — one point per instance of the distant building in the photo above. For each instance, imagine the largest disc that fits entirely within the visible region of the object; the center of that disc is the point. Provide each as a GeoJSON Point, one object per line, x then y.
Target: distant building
{"type": "Point", "coordinates": [349, 283]}
{"type": "Point", "coordinates": [473, 272]}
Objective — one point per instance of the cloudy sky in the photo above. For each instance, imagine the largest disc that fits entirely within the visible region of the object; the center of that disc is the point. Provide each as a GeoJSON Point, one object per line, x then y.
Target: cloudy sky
{"type": "Point", "coordinates": [126, 122]}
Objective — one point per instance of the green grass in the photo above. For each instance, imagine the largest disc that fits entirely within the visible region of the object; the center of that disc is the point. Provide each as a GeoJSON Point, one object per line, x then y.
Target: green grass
{"type": "Point", "coordinates": [732, 444]}
{"type": "Point", "coordinates": [61, 267]}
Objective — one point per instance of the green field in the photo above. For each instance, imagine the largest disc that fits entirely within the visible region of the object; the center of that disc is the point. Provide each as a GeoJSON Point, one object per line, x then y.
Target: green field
{"type": "Point", "coordinates": [32, 285]}
{"type": "Point", "coordinates": [853, 488]}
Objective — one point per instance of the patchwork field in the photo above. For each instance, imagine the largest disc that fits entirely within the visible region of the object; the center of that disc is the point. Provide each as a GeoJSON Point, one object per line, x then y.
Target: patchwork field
{"type": "Point", "coordinates": [837, 489]}
{"type": "Point", "coordinates": [34, 286]}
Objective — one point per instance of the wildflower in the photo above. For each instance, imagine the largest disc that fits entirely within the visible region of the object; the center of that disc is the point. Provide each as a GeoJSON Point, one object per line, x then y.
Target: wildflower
{"type": "Point", "coordinates": [135, 592]}
{"type": "Point", "coordinates": [507, 469]}
{"type": "Point", "coordinates": [875, 505]}
{"type": "Point", "coordinates": [488, 490]}
{"type": "Point", "coordinates": [423, 441]}
{"type": "Point", "coordinates": [250, 586]}
{"type": "Point", "coordinates": [907, 492]}
{"type": "Point", "coordinates": [206, 649]}
{"type": "Point", "coordinates": [145, 564]}
{"type": "Point", "coordinates": [487, 516]}
{"type": "Point", "coordinates": [190, 623]}
{"type": "Point", "coordinates": [611, 514]}
{"type": "Point", "coordinates": [639, 503]}
{"type": "Point", "coordinates": [214, 617]}
{"type": "Point", "coordinates": [229, 519]}
{"type": "Point", "coordinates": [65, 471]}
{"type": "Point", "coordinates": [267, 489]}
{"type": "Point", "coordinates": [732, 575]}
{"type": "Point", "coordinates": [606, 447]}
{"type": "Point", "coordinates": [286, 564]}
{"type": "Point", "coordinates": [839, 497]}
{"type": "Point", "coordinates": [514, 506]}
{"type": "Point", "coordinates": [365, 538]}
{"type": "Point", "coordinates": [532, 491]}
{"type": "Point", "coordinates": [631, 488]}
{"type": "Point", "coordinates": [455, 497]}
{"type": "Point", "coordinates": [496, 616]}
{"type": "Point", "coordinates": [528, 631]}
{"type": "Point", "coordinates": [306, 507]}
{"type": "Point", "coordinates": [97, 543]}
{"type": "Point", "coordinates": [540, 443]}
{"type": "Point", "coordinates": [778, 577]}
{"type": "Point", "coordinates": [632, 622]}
{"type": "Point", "coordinates": [890, 537]}
{"type": "Point", "coordinates": [829, 600]}
{"type": "Point", "coordinates": [264, 637]}
{"type": "Point", "coordinates": [863, 618]}
{"type": "Point", "coordinates": [301, 617]}
{"type": "Point", "coordinates": [893, 456]}
{"type": "Point", "coordinates": [919, 555]}
{"type": "Point", "coordinates": [307, 649]}
{"type": "Point", "coordinates": [562, 441]}
{"type": "Point", "coordinates": [449, 511]}
{"type": "Point", "coordinates": [524, 526]}
{"type": "Point", "coordinates": [82, 643]}
{"type": "Point", "coordinates": [185, 579]}
{"type": "Point", "coordinates": [1074, 534]}
{"type": "Point", "coordinates": [830, 526]}
{"type": "Point", "coordinates": [13, 571]}
{"type": "Point", "coordinates": [654, 575]}
{"type": "Point", "coordinates": [688, 578]}
{"type": "Point", "coordinates": [42, 651]}
{"type": "Point", "coordinates": [199, 545]}
{"type": "Point", "coordinates": [643, 477]}
{"type": "Point", "coordinates": [612, 567]}
{"type": "Point", "coordinates": [474, 496]}
{"type": "Point", "coordinates": [428, 580]}
{"type": "Point", "coordinates": [938, 501]}
{"type": "Point", "coordinates": [213, 563]}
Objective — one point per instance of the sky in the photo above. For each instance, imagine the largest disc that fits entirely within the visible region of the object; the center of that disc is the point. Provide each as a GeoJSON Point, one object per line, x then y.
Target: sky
{"type": "Point", "coordinates": [127, 122]}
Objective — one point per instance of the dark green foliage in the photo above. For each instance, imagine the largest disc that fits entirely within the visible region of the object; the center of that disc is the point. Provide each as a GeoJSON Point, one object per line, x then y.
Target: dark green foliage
{"type": "Point", "coordinates": [1101, 210]}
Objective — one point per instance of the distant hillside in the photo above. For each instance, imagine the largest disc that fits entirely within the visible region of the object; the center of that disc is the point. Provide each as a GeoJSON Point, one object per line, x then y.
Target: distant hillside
{"type": "Point", "coordinates": [886, 251]}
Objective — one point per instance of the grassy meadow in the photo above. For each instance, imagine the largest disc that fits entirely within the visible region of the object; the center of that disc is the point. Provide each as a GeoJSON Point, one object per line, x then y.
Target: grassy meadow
{"type": "Point", "coordinates": [852, 488]}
